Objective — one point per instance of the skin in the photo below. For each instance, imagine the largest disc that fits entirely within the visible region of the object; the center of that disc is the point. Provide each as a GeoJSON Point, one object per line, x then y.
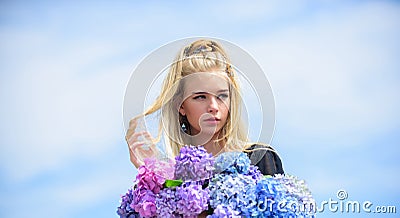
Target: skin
{"type": "Point", "coordinates": [206, 106]}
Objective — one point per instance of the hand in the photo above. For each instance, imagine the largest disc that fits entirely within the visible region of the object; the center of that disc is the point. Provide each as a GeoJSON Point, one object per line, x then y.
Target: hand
{"type": "Point", "coordinates": [140, 144]}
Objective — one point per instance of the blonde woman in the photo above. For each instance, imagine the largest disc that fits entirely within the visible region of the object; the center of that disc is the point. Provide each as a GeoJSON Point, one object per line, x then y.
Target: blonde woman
{"type": "Point", "coordinates": [200, 104]}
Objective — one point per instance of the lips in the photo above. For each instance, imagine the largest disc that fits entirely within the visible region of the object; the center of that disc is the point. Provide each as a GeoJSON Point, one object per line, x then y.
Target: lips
{"type": "Point", "coordinates": [213, 119]}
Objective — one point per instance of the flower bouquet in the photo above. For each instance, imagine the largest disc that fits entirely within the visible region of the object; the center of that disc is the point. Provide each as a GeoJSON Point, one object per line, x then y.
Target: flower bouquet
{"type": "Point", "coordinates": [198, 184]}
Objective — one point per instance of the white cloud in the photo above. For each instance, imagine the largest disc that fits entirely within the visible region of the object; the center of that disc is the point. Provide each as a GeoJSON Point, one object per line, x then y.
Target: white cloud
{"type": "Point", "coordinates": [64, 77]}
{"type": "Point", "coordinates": [335, 74]}
{"type": "Point", "coordinates": [61, 102]}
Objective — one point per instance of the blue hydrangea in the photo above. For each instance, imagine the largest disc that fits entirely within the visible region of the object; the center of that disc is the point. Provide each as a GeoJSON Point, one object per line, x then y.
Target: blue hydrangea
{"type": "Point", "coordinates": [255, 173]}
{"type": "Point", "coordinates": [223, 211]}
{"type": "Point", "coordinates": [282, 196]}
{"type": "Point", "coordinates": [232, 162]}
{"type": "Point", "coordinates": [297, 190]}
{"type": "Point", "coordinates": [269, 193]}
{"type": "Point", "coordinates": [235, 191]}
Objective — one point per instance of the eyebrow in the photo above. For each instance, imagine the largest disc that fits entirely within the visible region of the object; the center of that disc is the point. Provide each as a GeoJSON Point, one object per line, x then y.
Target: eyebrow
{"type": "Point", "coordinates": [202, 92]}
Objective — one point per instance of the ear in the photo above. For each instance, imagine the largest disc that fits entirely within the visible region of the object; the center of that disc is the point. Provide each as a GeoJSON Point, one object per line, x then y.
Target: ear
{"type": "Point", "coordinates": [182, 110]}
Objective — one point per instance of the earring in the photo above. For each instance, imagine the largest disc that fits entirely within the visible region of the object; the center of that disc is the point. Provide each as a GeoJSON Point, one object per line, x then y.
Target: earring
{"type": "Point", "coordinates": [184, 123]}
{"type": "Point", "coordinates": [183, 127]}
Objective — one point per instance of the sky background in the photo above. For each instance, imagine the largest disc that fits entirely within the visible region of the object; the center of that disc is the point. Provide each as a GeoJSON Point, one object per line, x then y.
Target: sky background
{"type": "Point", "coordinates": [64, 65]}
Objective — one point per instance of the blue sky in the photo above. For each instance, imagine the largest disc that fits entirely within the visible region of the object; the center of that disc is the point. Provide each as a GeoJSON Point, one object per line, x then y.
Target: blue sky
{"type": "Point", "coordinates": [333, 67]}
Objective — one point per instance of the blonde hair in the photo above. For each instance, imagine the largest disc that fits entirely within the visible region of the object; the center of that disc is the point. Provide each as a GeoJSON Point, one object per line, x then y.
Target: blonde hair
{"type": "Point", "coordinates": [200, 56]}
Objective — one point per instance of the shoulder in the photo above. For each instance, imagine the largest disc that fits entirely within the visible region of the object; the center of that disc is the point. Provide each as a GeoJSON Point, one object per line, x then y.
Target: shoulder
{"type": "Point", "coordinates": [257, 151]}
{"type": "Point", "coordinates": [265, 158]}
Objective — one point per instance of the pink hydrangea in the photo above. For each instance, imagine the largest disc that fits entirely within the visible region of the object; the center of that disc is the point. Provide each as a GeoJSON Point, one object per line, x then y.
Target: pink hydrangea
{"type": "Point", "coordinates": [144, 203]}
{"type": "Point", "coordinates": [164, 168]}
{"type": "Point", "coordinates": [147, 179]}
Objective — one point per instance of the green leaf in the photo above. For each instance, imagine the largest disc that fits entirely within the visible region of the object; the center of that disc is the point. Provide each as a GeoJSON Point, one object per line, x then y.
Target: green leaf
{"type": "Point", "coordinates": [172, 183]}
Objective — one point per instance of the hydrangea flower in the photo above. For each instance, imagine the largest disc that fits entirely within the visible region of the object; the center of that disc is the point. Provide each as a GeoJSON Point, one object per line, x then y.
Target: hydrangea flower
{"type": "Point", "coordinates": [125, 210]}
{"type": "Point", "coordinates": [234, 186]}
{"type": "Point", "coordinates": [193, 164]}
{"type": "Point", "coordinates": [297, 190]}
{"type": "Point", "coordinates": [163, 168]}
{"type": "Point", "coordinates": [166, 203]}
{"type": "Point", "coordinates": [269, 193]}
{"type": "Point", "coordinates": [283, 196]}
{"type": "Point", "coordinates": [223, 211]}
{"type": "Point", "coordinates": [144, 202]}
{"type": "Point", "coordinates": [147, 179]}
{"type": "Point", "coordinates": [232, 162]}
{"type": "Point", "coordinates": [192, 199]}
{"type": "Point", "coordinates": [235, 191]}
{"type": "Point", "coordinates": [230, 185]}
{"type": "Point", "coordinates": [255, 173]}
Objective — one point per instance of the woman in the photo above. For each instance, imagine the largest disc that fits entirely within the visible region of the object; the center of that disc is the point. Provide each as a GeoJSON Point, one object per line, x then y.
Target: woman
{"type": "Point", "coordinates": [200, 104]}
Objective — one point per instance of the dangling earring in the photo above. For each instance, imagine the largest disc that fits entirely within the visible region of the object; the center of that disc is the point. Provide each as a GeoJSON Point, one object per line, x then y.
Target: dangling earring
{"type": "Point", "coordinates": [183, 127]}
{"type": "Point", "coordinates": [184, 124]}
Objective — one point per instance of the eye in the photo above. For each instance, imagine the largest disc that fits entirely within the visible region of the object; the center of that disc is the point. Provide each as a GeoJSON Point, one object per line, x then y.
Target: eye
{"type": "Point", "coordinates": [222, 96]}
{"type": "Point", "coordinates": [199, 97]}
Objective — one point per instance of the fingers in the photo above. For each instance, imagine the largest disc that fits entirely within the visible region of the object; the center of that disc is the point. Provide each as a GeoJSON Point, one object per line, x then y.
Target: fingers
{"type": "Point", "coordinates": [138, 154]}
{"type": "Point", "coordinates": [132, 126]}
{"type": "Point", "coordinates": [137, 149]}
{"type": "Point", "coordinates": [136, 145]}
{"type": "Point", "coordinates": [135, 161]}
{"type": "Point", "coordinates": [147, 138]}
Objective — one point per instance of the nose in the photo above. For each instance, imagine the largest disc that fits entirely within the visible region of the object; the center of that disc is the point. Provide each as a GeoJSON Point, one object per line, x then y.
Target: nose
{"type": "Point", "coordinates": [213, 105]}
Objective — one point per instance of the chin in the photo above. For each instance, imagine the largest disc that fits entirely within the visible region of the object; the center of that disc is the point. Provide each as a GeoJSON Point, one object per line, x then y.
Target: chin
{"type": "Point", "coordinates": [212, 131]}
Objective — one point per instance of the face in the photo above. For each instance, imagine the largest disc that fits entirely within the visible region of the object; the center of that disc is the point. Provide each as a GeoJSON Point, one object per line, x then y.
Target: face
{"type": "Point", "coordinates": [206, 102]}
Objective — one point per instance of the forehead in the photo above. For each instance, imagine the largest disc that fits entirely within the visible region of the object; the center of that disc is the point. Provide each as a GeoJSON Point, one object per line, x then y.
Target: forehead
{"type": "Point", "coordinates": [211, 82]}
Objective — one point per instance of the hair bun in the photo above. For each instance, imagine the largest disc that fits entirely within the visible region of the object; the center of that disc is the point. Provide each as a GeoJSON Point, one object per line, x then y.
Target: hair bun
{"type": "Point", "coordinates": [200, 47]}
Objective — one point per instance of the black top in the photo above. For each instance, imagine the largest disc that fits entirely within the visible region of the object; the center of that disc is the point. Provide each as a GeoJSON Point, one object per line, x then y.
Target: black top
{"type": "Point", "coordinates": [267, 161]}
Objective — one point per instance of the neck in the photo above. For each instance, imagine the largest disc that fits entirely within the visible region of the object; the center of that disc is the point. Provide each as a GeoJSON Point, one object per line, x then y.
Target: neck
{"type": "Point", "coordinates": [213, 147]}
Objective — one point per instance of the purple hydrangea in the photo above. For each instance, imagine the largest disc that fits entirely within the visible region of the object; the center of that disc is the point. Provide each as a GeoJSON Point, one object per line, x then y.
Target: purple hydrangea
{"type": "Point", "coordinates": [192, 199]}
{"type": "Point", "coordinates": [144, 202]}
{"type": "Point", "coordinates": [125, 210]}
{"type": "Point", "coordinates": [166, 203]}
{"type": "Point", "coordinates": [193, 164]}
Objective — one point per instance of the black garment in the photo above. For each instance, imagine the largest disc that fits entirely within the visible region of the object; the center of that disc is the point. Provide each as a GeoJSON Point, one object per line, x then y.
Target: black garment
{"type": "Point", "coordinates": [267, 161]}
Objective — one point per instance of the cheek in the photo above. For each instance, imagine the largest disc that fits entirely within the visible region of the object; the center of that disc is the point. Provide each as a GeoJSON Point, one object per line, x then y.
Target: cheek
{"type": "Point", "coordinates": [226, 114]}
{"type": "Point", "coordinates": [225, 109]}
{"type": "Point", "coordinates": [193, 113]}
